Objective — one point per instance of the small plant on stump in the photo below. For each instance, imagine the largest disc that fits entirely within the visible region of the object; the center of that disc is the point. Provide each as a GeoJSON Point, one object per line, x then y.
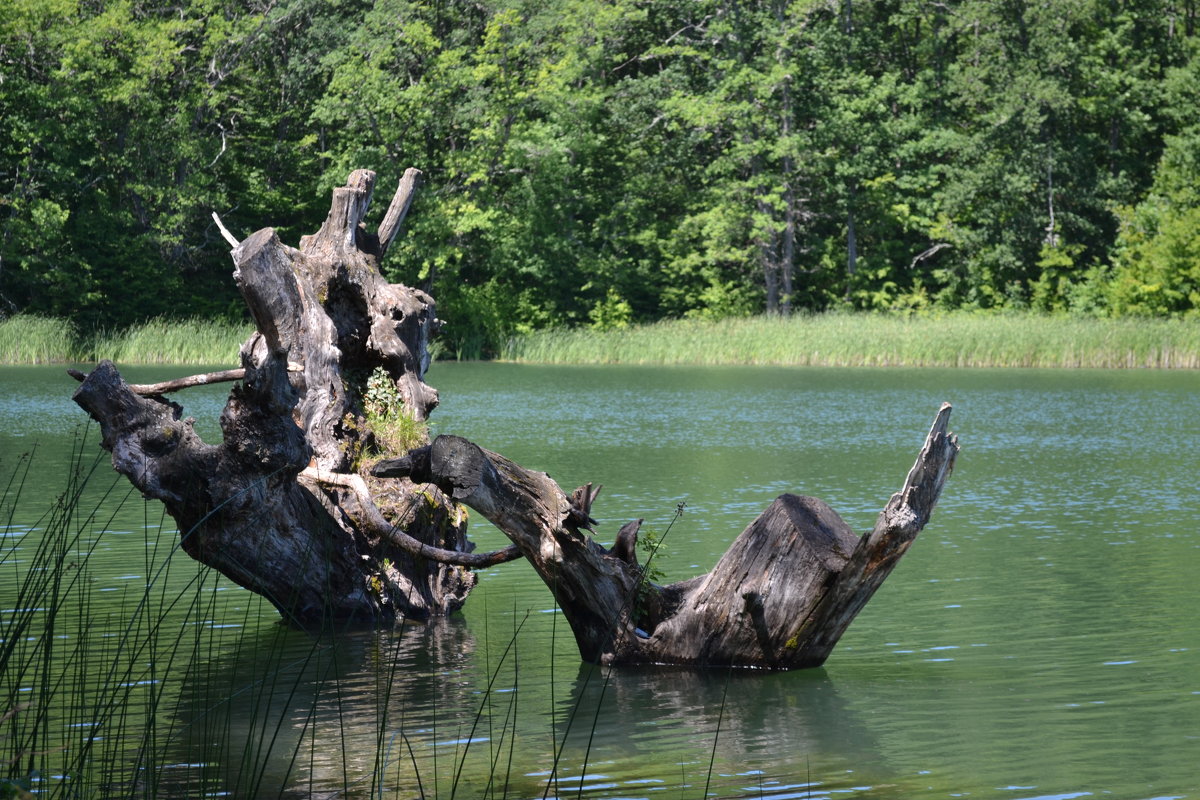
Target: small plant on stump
{"type": "Point", "coordinates": [392, 427]}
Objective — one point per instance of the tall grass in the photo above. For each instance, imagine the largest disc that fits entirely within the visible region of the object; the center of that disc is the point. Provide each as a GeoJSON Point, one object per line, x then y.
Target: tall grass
{"type": "Point", "coordinates": [161, 341]}
{"type": "Point", "coordinates": [836, 339]}
{"type": "Point", "coordinates": [26, 339]}
{"type": "Point", "coordinates": [956, 339]}
{"type": "Point", "coordinates": [174, 693]}
{"type": "Point", "coordinates": [84, 691]}
{"type": "Point", "coordinates": [29, 339]}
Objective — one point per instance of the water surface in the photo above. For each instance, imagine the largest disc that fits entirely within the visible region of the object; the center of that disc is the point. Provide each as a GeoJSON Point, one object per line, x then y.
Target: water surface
{"type": "Point", "coordinates": [1038, 641]}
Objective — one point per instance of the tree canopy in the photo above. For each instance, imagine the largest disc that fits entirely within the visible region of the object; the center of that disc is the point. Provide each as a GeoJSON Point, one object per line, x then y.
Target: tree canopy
{"type": "Point", "coordinates": [597, 163]}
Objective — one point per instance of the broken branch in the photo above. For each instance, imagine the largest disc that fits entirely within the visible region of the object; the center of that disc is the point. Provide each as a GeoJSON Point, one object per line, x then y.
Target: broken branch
{"type": "Point", "coordinates": [381, 527]}
{"type": "Point", "coordinates": [174, 385]}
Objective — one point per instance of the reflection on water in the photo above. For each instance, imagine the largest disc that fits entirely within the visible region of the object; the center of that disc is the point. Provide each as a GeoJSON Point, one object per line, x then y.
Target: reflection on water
{"type": "Point", "coordinates": [411, 710]}
{"type": "Point", "coordinates": [1038, 641]}
{"type": "Point", "coordinates": [670, 724]}
{"type": "Point", "coordinates": [358, 710]}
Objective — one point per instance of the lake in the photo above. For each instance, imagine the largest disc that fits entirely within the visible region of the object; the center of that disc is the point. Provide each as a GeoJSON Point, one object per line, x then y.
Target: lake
{"type": "Point", "coordinates": [1040, 639]}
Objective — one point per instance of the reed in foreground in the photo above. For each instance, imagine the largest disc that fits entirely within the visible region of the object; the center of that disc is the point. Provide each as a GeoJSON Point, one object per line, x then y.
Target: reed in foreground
{"type": "Point", "coordinates": [176, 688]}
{"type": "Point", "coordinates": [85, 687]}
{"type": "Point", "coordinates": [835, 339]}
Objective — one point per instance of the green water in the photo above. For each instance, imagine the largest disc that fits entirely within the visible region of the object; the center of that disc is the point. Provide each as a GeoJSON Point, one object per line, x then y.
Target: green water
{"type": "Point", "coordinates": [1040, 640]}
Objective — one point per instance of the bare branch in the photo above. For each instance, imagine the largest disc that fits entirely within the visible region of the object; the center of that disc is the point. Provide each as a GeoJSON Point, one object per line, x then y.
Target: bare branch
{"type": "Point", "coordinates": [398, 209]}
{"type": "Point", "coordinates": [380, 526]}
{"type": "Point", "coordinates": [165, 387]}
{"type": "Point", "coordinates": [229, 237]}
{"type": "Point", "coordinates": [691, 26]}
{"type": "Point", "coordinates": [219, 154]}
{"type": "Point", "coordinates": [930, 253]}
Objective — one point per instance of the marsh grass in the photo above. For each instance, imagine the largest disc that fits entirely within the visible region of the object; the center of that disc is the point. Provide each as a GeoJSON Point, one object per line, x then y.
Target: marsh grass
{"type": "Point", "coordinates": [84, 692]}
{"type": "Point", "coordinates": [174, 692]}
{"type": "Point", "coordinates": [161, 341]}
{"type": "Point", "coordinates": [868, 340]}
{"type": "Point", "coordinates": [28, 339]}
{"type": "Point", "coordinates": [957, 339]}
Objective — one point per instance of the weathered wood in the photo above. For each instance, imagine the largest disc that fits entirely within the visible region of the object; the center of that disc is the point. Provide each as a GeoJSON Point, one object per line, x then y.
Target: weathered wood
{"type": "Point", "coordinates": [225, 234]}
{"type": "Point", "coordinates": [375, 521]}
{"type": "Point", "coordinates": [274, 506]}
{"type": "Point", "coordinates": [904, 516]}
{"type": "Point", "coordinates": [282, 506]}
{"type": "Point", "coordinates": [398, 209]}
{"type": "Point", "coordinates": [780, 597]}
{"type": "Point", "coordinates": [239, 510]}
{"type": "Point", "coordinates": [393, 322]}
{"type": "Point", "coordinates": [175, 384]}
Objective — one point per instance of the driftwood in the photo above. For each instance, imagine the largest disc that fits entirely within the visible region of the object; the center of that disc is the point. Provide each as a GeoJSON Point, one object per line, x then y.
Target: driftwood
{"type": "Point", "coordinates": [177, 384]}
{"type": "Point", "coordinates": [266, 506]}
{"type": "Point", "coordinates": [780, 597]}
{"type": "Point", "coordinates": [287, 506]}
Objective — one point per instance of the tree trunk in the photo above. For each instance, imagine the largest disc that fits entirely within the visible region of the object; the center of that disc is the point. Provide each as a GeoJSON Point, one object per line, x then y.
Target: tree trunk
{"type": "Point", "coordinates": [851, 241]}
{"type": "Point", "coordinates": [272, 507]}
{"type": "Point", "coordinates": [780, 597]}
{"type": "Point", "coordinates": [768, 258]}
{"type": "Point", "coordinates": [788, 256]}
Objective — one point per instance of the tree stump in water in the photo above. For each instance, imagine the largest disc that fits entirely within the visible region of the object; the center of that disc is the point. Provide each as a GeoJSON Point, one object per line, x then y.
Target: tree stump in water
{"type": "Point", "coordinates": [287, 507]}
{"type": "Point", "coordinates": [276, 506]}
{"type": "Point", "coordinates": [780, 597]}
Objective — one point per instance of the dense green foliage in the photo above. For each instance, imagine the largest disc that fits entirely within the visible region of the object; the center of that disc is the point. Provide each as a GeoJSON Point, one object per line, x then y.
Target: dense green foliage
{"type": "Point", "coordinates": [601, 163]}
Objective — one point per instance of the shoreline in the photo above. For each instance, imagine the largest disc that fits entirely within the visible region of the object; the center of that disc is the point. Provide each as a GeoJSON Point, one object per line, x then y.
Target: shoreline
{"type": "Point", "coordinates": [955, 339]}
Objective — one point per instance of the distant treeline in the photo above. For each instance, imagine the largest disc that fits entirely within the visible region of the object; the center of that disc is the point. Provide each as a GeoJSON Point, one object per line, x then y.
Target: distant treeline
{"type": "Point", "coordinates": [596, 164]}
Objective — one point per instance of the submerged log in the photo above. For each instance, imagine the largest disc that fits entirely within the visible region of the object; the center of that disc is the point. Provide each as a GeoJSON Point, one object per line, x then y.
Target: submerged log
{"type": "Point", "coordinates": [275, 506]}
{"type": "Point", "coordinates": [780, 597]}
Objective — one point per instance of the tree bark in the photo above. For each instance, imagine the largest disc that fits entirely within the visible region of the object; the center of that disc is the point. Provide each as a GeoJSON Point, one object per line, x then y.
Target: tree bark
{"type": "Point", "coordinates": [780, 597]}
{"type": "Point", "coordinates": [273, 507]}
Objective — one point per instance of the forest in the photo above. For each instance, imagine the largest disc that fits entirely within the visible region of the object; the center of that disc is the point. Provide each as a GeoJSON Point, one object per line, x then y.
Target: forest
{"type": "Point", "coordinates": [606, 162]}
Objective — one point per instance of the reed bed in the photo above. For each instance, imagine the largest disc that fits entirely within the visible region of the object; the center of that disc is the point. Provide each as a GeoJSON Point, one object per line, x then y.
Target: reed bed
{"type": "Point", "coordinates": [957, 339]}
{"type": "Point", "coordinates": [175, 692]}
{"type": "Point", "coordinates": [27, 339]}
{"type": "Point", "coordinates": [30, 339]}
{"type": "Point", "coordinates": [872, 340]}
{"type": "Point", "coordinates": [161, 341]}
{"type": "Point", "coordinates": [83, 691]}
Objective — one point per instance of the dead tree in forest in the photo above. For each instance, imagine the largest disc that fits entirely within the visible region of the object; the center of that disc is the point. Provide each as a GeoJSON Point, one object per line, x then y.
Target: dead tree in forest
{"type": "Point", "coordinates": [286, 507]}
